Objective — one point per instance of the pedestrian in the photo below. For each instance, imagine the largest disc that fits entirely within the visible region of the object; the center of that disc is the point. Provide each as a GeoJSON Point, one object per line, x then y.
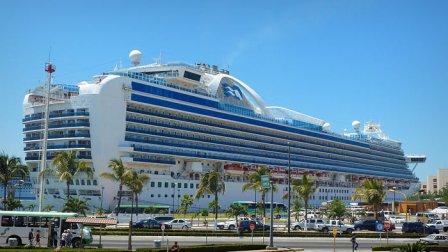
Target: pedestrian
{"type": "Point", "coordinates": [175, 247]}
{"type": "Point", "coordinates": [38, 238]}
{"type": "Point", "coordinates": [31, 237]}
{"type": "Point", "coordinates": [54, 238]}
{"type": "Point", "coordinates": [69, 238]}
{"type": "Point", "coordinates": [64, 238]}
{"type": "Point", "coordinates": [354, 243]}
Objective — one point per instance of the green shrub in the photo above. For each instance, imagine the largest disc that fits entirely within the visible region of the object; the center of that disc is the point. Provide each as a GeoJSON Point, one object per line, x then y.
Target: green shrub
{"type": "Point", "coordinates": [211, 248]}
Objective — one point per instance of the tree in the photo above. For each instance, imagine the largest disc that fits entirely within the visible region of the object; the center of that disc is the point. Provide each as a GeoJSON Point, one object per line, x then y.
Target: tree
{"type": "Point", "coordinates": [277, 211]}
{"type": "Point", "coordinates": [236, 210]}
{"type": "Point", "coordinates": [337, 209]}
{"type": "Point", "coordinates": [11, 203]}
{"type": "Point", "coordinates": [135, 182]}
{"type": "Point", "coordinates": [296, 207]}
{"type": "Point", "coordinates": [10, 167]}
{"type": "Point", "coordinates": [443, 193]}
{"type": "Point", "coordinates": [304, 188]}
{"type": "Point", "coordinates": [371, 191]}
{"type": "Point", "coordinates": [117, 175]}
{"type": "Point", "coordinates": [150, 210]}
{"type": "Point", "coordinates": [204, 213]}
{"type": "Point", "coordinates": [76, 205]}
{"type": "Point", "coordinates": [185, 204]}
{"type": "Point", "coordinates": [254, 183]}
{"type": "Point", "coordinates": [211, 183]}
{"type": "Point", "coordinates": [48, 208]}
{"type": "Point", "coordinates": [67, 166]}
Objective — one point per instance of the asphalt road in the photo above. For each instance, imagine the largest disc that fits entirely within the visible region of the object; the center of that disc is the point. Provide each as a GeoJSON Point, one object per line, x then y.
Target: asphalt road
{"type": "Point", "coordinates": [309, 244]}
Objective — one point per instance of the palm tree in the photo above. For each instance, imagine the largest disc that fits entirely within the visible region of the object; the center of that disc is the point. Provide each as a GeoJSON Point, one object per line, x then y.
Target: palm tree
{"type": "Point", "coordinates": [67, 166]}
{"type": "Point", "coordinates": [185, 204]}
{"type": "Point", "coordinates": [211, 183]}
{"type": "Point", "coordinates": [304, 188]}
{"type": "Point", "coordinates": [76, 205]}
{"type": "Point", "coordinates": [236, 210]}
{"type": "Point", "coordinates": [371, 191]}
{"type": "Point", "coordinates": [10, 167]}
{"type": "Point", "coordinates": [255, 184]}
{"type": "Point", "coordinates": [135, 182]}
{"type": "Point", "coordinates": [117, 175]}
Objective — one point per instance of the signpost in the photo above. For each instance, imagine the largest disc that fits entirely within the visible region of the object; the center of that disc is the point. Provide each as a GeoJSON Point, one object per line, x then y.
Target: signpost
{"type": "Point", "coordinates": [252, 228]}
{"type": "Point", "coordinates": [380, 228]}
{"type": "Point", "coordinates": [335, 232]}
{"type": "Point", "coordinates": [387, 228]}
{"type": "Point", "coordinates": [163, 231]}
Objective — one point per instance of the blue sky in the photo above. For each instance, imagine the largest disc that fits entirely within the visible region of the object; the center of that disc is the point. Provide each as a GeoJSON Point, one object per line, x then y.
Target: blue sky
{"type": "Point", "coordinates": [385, 61]}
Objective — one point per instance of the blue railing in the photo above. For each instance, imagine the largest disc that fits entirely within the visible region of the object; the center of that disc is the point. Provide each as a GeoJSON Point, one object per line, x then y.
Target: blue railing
{"type": "Point", "coordinates": [198, 144]}
{"type": "Point", "coordinates": [209, 123]}
{"type": "Point", "coordinates": [255, 160]}
{"type": "Point", "coordinates": [57, 136]}
{"type": "Point", "coordinates": [38, 116]}
{"type": "Point", "coordinates": [152, 160]}
{"type": "Point", "coordinates": [63, 146]}
{"type": "Point", "coordinates": [49, 157]}
{"type": "Point", "coordinates": [275, 145]}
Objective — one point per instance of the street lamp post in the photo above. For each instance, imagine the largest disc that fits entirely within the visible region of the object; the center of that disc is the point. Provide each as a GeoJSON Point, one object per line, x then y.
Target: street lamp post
{"type": "Point", "coordinates": [393, 203]}
{"type": "Point", "coordinates": [271, 228]}
{"type": "Point", "coordinates": [102, 196]}
{"type": "Point", "coordinates": [289, 188]}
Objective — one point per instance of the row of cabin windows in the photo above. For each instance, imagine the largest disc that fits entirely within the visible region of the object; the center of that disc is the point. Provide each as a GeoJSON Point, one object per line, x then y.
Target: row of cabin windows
{"type": "Point", "coordinates": [257, 137]}
{"type": "Point", "coordinates": [333, 190]}
{"type": "Point", "coordinates": [173, 185]}
{"type": "Point", "coordinates": [79, 182]}
{"type": "Point", "coordinates": [172, 195]}
{"type": "Point", "coordinates": [241, 127]}
{"type": "Point", "coordinates": [334, 197]}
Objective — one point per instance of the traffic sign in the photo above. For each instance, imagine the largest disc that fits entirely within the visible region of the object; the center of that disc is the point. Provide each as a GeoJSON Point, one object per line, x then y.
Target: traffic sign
{"type": "Point", "coordinates": [265, 181]}
{"type": "Point", "coordinates": [162, 227]}
{"type": "Point", "coordinates": [335, 232]}
{"type": "Point", "coordinates": [379, 227]}
{"type": "Point", "coordinates": [252, 226]}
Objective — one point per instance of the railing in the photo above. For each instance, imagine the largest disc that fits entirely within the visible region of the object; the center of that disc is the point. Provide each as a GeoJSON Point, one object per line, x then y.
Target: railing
{"type": "Point", "coordinates": [49, 157]}
{"type": "Point", "coordinates": [52, 147]}
{"type": "Point", "coordinates": [58, 136]}
{"type": "Point", "coordinates": [54, 115]}
{"type": "Point", "coordinates": [152, 160]}
{"type": "Point", "coordinates": [55, 126]}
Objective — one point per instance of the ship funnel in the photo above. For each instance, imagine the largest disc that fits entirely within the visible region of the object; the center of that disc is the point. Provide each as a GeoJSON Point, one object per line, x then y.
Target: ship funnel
{"type": "Point", "coordinates": [355, 125]}
{"type": "Point", "coordinates": [135, 57]}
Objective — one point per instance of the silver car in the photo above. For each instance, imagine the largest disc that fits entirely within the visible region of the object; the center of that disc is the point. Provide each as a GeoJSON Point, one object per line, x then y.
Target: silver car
{"type": "Point", "coordinates": [438, 239]}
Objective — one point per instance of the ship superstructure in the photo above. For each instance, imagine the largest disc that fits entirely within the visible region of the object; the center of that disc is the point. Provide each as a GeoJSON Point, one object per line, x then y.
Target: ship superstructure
{"type": "Point", "coordinates": [176, 121]}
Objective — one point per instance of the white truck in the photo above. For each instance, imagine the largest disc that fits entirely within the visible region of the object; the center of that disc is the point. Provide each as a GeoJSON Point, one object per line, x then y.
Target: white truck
{"type": "Point", "coordinates": [230, 224]}
{"type": "Point", "coordinates": [340, 227]}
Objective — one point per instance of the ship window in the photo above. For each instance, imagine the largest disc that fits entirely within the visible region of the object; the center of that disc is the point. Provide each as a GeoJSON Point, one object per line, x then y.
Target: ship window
{"type": "Point", "coordinates": [77, 182]}
{"type": "Point", "coordinates": [185, 185]}
{"type": "Point", "coordinates": [95, 182]}
{"type": "Point", "coordinates": [179, 185]}
{"type": "Point", "coordinates": [152, 195]}
{"type": "Point", "coordinates": [166, 184]}
{"type": "Point", "coordinates": [153, 184]}
{"type": "Point", "coordinates": [191, 185]}
{"type": "Point", "coordinates": [88, 182]}
{"type": "Point", "coordinates": [158, 195]}
{"type": "Point", "coordinates": [192, 76]}
{"type": "Point", "coordinates": [159, 184]}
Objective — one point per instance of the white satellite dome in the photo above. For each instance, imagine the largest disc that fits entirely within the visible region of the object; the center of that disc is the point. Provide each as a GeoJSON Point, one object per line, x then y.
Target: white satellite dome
{"type": "Point", "coordinates": [326, 127]}
{"type": "Point", "coordinates": [355, 125]}
{"type": "Point", "coordinates": [135, 57]}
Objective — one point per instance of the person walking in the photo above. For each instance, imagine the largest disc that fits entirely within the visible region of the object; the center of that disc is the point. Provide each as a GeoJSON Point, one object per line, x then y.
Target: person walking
{"type": "Point", "coordinates": [31, 237]}
{"type": "Point", "coordinates": [64, 238]}
{"type": "Point", "coordinates": [38, 238]}
{"type": "Point", "coordinates": [354, 243]}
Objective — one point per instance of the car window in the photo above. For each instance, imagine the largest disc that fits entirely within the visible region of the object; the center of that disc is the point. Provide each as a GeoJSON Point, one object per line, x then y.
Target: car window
{"type": "Point", "coordinates": [320, 221]}
{"type": "Point", "coordinates": [181, 221]}
{"type": "Point", "coordinates": [174, 221]}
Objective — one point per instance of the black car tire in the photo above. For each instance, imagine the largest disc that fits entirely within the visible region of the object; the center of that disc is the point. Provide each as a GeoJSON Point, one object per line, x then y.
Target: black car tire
{"type": "Point", "coordinates": [297, 227]}
{"type": "Point", "coordinates": [231, 227]}
{"type": "Point", "coordinates": [349, 231]}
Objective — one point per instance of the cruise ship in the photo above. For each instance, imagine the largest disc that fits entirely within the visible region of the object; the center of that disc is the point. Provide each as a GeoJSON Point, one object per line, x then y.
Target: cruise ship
{"type": "Point", "coordinates": [175, 121]}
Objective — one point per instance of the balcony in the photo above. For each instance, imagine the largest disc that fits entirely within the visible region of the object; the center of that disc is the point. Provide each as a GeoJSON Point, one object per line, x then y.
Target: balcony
{"type": "Point", "coordinates": [56, 126]}
{"type": "Point", "coordinates": [49, 157]}
{"type": "Point", "coordinates": [53, 147]}
{"type": "Point", "coordinates": [57, 136]}
{"type": "Point", "coordinates": [54, 115]}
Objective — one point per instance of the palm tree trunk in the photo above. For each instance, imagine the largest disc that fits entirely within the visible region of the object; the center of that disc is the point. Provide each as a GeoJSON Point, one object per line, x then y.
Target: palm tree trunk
{"type": "Point", "coordinates": [263, 201]}
{"type": "Point", "coordinates": [136, 203]}
{"type": "Point", "coordinates": [120, 189]}
{"type": "Point", "coordinates": [306, 214]}
{"type": "Point", "coordinates": [5, 187]}
{"type": "Point", "coordinates": [68, 190]}
{"type": "Point", "coordinates": [216, 208]}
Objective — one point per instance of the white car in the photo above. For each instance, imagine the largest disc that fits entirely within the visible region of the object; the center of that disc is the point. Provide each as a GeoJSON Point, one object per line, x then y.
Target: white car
{"type": "Point", "coordinates": [179, 224]}
{"type": "Point", "coordinates": [441, 225]}
{"type": "Point", "coordinates": [230, 223]}
{"type": "Point", "coordinates": [435, 239]}
{"type": "Point", "coordinates": [311, 224]}
{"type": "Point", "coordinates": [396, 219]}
